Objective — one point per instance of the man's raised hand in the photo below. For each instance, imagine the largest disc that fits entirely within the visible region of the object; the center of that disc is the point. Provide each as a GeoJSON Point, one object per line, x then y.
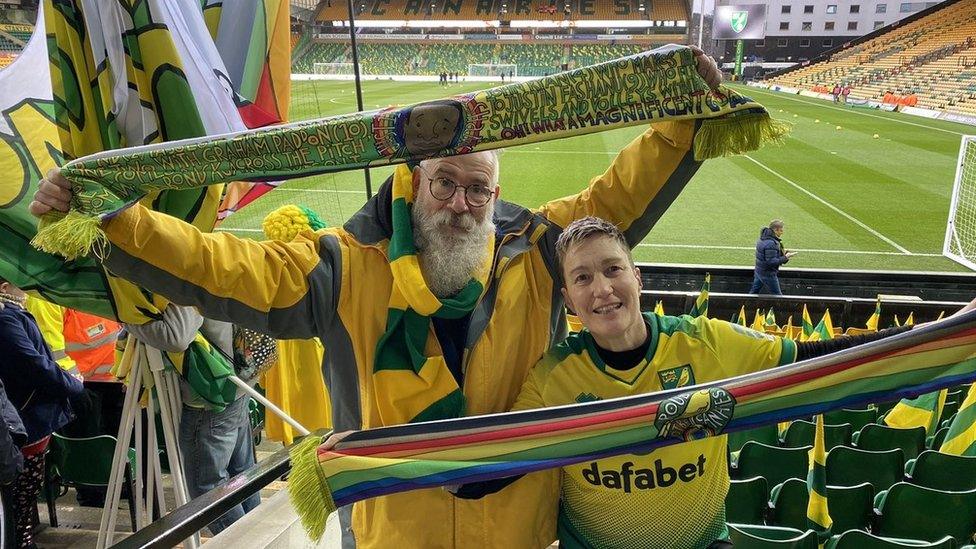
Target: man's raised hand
{"type": "Point", "coordinates": [53, 194]}
{"type": "Point", "coordinates": [707, 68]}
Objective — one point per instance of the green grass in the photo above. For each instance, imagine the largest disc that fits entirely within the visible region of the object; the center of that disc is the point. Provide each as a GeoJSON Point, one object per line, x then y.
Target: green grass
{"type": "Point", "coordinates": [849, 200]}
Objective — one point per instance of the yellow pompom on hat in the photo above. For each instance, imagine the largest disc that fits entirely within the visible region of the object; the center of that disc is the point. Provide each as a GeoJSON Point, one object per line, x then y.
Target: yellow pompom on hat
{"type": "Point", "coordinates": [286, 222]}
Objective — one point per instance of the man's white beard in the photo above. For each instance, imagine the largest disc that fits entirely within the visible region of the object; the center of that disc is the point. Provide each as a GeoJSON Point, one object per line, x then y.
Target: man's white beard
{"type": "Point", "coordinates": [448, 261]}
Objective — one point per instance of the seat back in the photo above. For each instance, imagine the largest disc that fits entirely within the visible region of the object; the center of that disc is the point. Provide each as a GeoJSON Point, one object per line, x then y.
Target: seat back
{"type": "Point", "coordinates": [916, 512]}
{"type": "Point", "coordinates": [881, 437]}
{"type": "Point", "coordinates": [857, 418]}
{"type": "Point", "coordinates": [788, 504]}
{"type": "Point", "coordinates": [801, 433]}
{"type": "Point", "coordinates": [944, 471]}
{"type": "Point", "coordinates": [851, 507]}
{"type": "Point", "coordinates": [86, 461]}
{"type": "Point", "coordinates": [774, 464]}
{"type": "Point", "coordinates": [769, 537]}
{"type": "Point", "coordinates": [746, 501]}
{"type": "Point", "coordinates": [859, 539]}
{"type": "Point", "coordinates": [852, 466]}
{"type": "Point", "coordinates": [767, 434]}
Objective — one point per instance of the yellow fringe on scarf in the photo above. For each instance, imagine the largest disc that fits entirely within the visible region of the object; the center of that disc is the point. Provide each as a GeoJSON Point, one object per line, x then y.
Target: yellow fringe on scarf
{"type": "Point", "coordinates": [307, 487]}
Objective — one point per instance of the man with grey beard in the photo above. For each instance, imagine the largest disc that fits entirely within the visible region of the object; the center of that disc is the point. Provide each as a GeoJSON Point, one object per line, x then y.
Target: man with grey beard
{"type": "Point", "coordinates": [434, 301]}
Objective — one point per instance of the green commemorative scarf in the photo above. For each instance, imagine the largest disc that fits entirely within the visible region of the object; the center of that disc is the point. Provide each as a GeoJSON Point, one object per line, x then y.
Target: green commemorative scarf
{"type": "Point", "coordinates": [655, 86]}
{"type": "Point", "coordinates": [411, 380]}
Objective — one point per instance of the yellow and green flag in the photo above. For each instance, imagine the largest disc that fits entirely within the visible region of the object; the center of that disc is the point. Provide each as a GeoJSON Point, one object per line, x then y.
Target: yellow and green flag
{"type": "Point", "coordinates": [742, 320]}
{"type": "Point", "coordinates": [872, 323]}
{"type": "Point", "coordinates": [789, 328]}
{"type": "Point", "coordinates": [169, 66]}
{"type": "Point", "coordinates": [910, 321]}
{"type": "Point", "coordinates": [807, 325]}
{"type": "Point", "coordinates": [818, 513]}
{"type": "Point", "coordinates": [770, 321]}
{"type": "Point", "coordinates": [961, 439]}
{"type": "Point", "coordinates": [923, 411]}
{"type": "Point", "coordinates": [659, 308]}
{"type": "Point", "coordinates": [700, 308]}
{"type": "Point", "coordinates": [759, 322]}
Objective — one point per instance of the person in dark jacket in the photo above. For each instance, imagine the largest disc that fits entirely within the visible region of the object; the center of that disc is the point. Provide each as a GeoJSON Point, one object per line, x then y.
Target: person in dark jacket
{"type": "Point", "coordinates": [38, 387]}
{"type": "Point", "coordinates": [769, 256]}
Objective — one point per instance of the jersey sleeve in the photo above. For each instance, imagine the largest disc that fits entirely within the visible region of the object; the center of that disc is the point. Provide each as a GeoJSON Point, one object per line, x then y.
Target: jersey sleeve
{"type": "Point", "coordinates": [740, 350]}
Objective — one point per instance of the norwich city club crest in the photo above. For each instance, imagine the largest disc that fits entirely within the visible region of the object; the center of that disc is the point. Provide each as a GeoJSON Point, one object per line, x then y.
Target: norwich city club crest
{"type": "Point", "coordinates": [695, 415]}
{"type": "Point", "coordinates": [738, 21]}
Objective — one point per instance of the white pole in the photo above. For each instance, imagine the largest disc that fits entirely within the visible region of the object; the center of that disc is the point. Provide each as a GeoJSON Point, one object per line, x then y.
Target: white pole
{"type": "Point", "coordinates": [169, 434]}
{"type": "Point", "coordinates": [268, 404]}
{"type": "Point", "coordinates": [701, 24]}
{"type": "Point", "coordinates": [151, 448]}
{"type": "Point", "coordinates": [136, 498]}
{"type": "Point", "coordinates": [113, 490]}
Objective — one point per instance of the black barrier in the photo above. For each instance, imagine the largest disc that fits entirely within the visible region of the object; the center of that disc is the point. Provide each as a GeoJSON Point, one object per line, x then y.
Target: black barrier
{"type": "Point", "coordinates": [185, 520]}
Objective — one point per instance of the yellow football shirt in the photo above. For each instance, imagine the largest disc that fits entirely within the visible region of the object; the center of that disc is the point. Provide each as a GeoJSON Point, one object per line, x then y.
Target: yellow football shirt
{"type": "Point", "coordinates": [673, 496]}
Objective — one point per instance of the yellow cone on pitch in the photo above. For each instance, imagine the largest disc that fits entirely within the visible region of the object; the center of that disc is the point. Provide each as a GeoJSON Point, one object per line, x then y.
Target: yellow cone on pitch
{"type": "Point", "coordinates": [876, 136]}
{"type": "Point", "coordinates": [838, 127]}
{"type": "Point", "coordinates": [817, 121]}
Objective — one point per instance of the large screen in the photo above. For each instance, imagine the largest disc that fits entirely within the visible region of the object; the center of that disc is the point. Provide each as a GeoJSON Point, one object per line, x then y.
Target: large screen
{"type": "Point", "coordinates": [745, 22]}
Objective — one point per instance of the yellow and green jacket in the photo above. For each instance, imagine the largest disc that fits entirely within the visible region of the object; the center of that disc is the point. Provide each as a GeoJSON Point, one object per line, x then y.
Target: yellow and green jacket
{"type": "Point", "coordinates": [335, 285]}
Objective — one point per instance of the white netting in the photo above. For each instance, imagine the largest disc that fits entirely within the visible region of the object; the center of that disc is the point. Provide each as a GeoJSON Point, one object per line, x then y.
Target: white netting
{"type": "Point", "coordinates": [332, 68]}
{"type": "Point", "coordinates": [493, 69]}
{"type": "Point", "coordinates": [960, 241]}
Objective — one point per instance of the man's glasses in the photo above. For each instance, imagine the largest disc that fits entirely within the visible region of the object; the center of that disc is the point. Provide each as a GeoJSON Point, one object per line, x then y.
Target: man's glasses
{"type": "Point", "coordinates": [443, 189]}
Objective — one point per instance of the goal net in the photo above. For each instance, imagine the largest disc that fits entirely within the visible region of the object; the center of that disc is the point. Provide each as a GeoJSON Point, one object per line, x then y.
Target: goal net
{"type": "Point", "coordinates": [960, 240]}
{"type": "Point", "coordinates": [492, 69]}
{"type": "Point", "coordinates": [333, 68]}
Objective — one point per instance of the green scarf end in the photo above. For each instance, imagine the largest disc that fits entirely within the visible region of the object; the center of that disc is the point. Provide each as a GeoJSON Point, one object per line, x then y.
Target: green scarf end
{"type": "Point", "coordinates": [308, 489]}
{"type": "Point", "coordinates": [737, 134]}
{"type": "Point", "coordinates": [74, 235]}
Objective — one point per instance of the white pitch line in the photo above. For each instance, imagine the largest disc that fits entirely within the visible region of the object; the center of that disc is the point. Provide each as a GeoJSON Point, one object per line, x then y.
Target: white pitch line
{"type": "Point", "coordinates": [281, 189]}
{"type": "Point", "coordinates": [850, 217]}
{"type": "Point", "coordinates": [804, 250]}
{"type": "Point", "coordinates": [543, 151]}
{"type": "Point", "coordinates": [814, 103]}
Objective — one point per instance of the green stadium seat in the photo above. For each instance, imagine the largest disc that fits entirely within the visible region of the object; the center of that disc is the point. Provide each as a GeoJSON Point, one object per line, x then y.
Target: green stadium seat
{"type": "Point", "coordinates": [84, 462]}
{"type": "Point", "coordinates": [880, 437]}
{"type": "Point", "coordinates": [950, 408]}
{"type": "Point", "coordinates": [771, 537]}
{"type": "Point", "coordinates": [801, 433]}
{"type": "Point", "coordinates": [942, 471]}
{"type": "Point", "coordinates": [746, 501]}
{"type": "Point", "coordinates": [853, 466]}
{"type": "Point", "coordinates": [915, 512]}
{"type": "Point", "coordinates": [774, 464]}
{"type": "Point", "coordinates": [935, 441]}
{"type": "Point", "coordinates": [788, 504]}
{"type": "Point", "coordinates": [858, 539]}
{"type": "Point", "coordinates": [767, 434]}
{"type": "Point", "coordinates": [857, 418]}
{"type": "Point", "coordinates": [851, 507]}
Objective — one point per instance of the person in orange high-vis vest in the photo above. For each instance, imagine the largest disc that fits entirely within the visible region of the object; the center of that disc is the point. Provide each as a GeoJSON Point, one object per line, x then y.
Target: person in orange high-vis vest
{"type": "Point", "coordinates": [90, 341]}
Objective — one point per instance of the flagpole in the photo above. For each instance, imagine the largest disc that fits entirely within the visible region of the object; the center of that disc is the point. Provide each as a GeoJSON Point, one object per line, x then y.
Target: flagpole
{"type": "Point", "coordinates": [359, 89]}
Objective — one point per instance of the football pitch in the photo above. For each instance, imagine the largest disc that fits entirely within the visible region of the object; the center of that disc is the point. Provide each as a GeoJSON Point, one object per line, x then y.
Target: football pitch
{"type": "Point", "coordinates": [849, 200]}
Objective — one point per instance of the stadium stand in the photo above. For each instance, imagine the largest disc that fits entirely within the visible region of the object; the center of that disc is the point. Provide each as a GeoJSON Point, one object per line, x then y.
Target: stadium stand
{"type": "Point", "coordinates": [932, 58]}
{"type": "Point", "coordinates": [660, 10]}
{"type": "Point", "coordinates": [13, 37]}
{"type": "Point", "coordinates": [430, 59]}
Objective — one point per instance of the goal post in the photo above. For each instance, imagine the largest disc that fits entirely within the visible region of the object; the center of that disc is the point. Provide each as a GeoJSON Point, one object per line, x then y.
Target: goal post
{"type": "Point", "coordinates": [960, 239]}
{"type": "Point", "coordinates": [492, 69]}
{"type": "Point", "coordinates": [333, 68]}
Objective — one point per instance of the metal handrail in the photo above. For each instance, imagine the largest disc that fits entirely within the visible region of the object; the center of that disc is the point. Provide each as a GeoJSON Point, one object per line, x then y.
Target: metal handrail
{"type": "Point", "coordinates": [185, 520]}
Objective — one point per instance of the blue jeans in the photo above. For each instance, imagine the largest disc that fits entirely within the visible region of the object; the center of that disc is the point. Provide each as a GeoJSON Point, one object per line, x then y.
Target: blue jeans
{"type": "Point", "coordinates": [768, 280]}
{"type": "Point", "coordinates": [217, 446]}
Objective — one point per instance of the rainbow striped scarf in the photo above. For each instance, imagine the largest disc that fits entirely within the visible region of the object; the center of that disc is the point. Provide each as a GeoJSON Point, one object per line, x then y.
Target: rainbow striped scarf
{"type": "Point", "coordinates": [409, 385]}
{"type": "Point", "coordinates": [396, 459]}
{"type": "Point", "coordinates": [655, 86]}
